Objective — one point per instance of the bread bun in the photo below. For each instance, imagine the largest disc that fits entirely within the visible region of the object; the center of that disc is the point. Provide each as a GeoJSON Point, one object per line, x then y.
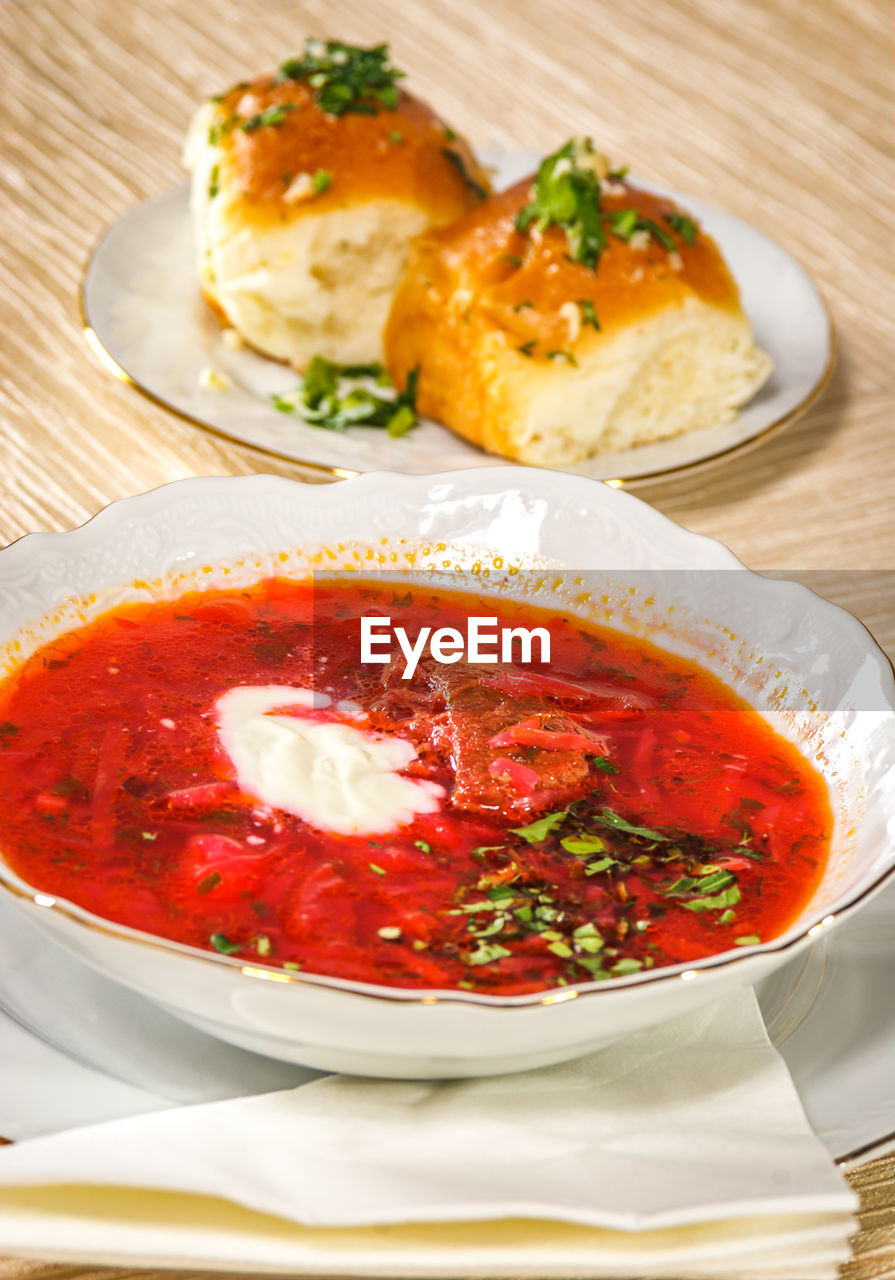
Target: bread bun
{"type": "Point", "coordinates": [532, 352]}
{"type": "Point", "coordinates": [304, 199]}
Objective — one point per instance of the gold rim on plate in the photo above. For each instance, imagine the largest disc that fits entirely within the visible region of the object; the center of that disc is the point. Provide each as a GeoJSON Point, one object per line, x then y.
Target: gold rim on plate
{"type": "Point", "coordinates": [111, 365]}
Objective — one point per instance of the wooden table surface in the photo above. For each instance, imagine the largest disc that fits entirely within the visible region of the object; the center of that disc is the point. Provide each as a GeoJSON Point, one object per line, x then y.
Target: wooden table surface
{"type": "Point", "coordinates": [776, 110]}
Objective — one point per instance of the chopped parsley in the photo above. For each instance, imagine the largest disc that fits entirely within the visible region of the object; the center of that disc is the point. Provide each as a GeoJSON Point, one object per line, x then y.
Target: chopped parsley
{"type": "Point", "coordinates": [526, 348]}
{"type": "Point", "coordinates": [325, 398]}
{"type": "Point", "coordinates": [345, 77]}
{"type": "Point", "coordinates": [566, 193]}
{"type": "Point", "coordinates": [583, 847]}
{"type": "Point", "coordinates": [686, 228]}
{"type": "Point", "coordinates": [747, 940]}
{"type": "Point", "coordinates": [213, 181]}
{"type": "Point", "coordinates": [460, 165]}
{"type": "Point", "coordinates": [321, 180]}
{"type": "Point", "coordinates": [610, 819]}
{"type": "Point", "coordinates": [726, 898]}
{"type": "Point", "coordinates": [220, 128]}
{"type": "Point", "coordinates": [563, 355]}
{"type": "Point", "coordinates": [588, 316]}
{"type": "Point", "coordinates": [626, 222]}
{"type": "Point", "coordinates": [535, 832]}
{"type": "Point", "coordinates": [223, 945]}
{"type": "Point", "coordinates": [269, 117]}
{"type": "Point", "coordinates": [487, 953]}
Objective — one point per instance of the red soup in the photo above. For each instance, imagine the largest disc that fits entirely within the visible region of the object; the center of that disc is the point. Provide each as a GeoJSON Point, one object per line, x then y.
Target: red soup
{"type": "Point", "coordinates": [223, 770]}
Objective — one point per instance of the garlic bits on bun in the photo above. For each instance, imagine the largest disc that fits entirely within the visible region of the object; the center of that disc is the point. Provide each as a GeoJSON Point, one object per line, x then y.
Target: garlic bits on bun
{"type": "Point", "coordinates": [307, 186]}
{"type": "Point", "coordinates": [571, 315]}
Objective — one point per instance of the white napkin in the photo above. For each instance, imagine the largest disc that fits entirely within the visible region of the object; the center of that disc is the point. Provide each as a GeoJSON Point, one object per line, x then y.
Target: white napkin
{"type": "Point", "coordinates": [690, 1135]}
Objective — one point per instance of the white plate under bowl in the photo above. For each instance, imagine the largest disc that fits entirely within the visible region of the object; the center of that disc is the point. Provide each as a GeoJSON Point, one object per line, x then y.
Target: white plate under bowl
{"type": "Point", "coordinates": [840, 1050]}
{"type": "Point", "coordinates": [806, 666]}
{"type": "Point", "coordinates": [145, 318]}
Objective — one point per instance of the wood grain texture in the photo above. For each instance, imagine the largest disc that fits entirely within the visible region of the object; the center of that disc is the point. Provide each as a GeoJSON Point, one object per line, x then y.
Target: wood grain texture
{"type": "Point", "coordinates": [776, 110]}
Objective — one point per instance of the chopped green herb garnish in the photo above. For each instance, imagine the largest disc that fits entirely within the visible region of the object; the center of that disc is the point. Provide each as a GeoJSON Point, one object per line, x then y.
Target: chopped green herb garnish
{"type": "Point", "coordinates": [718, 880]}
{"type": "Point", "coordinates": [686, 228]}
{"type": "Point", "coordinates": [209, 882]}
{"type": "Point", "coordinates": [422, 844]}
{"type": "Point", "coordinates": [345, 77]}
{"type": "Point", "coordinates": [487, 953]}
{"type": "Point", "coordinates": [321, 180]}
{"type": "Point", "coordinates": [728, 916]}
{"type": "Point", "coordinates": [493, 926]}
{"type": "Point", "coordinates": [594, 868]}
{"type": "Point", "coordinates": [563, 355]}
{"type": "Point", "coordinates": [610, 819]}
{"type": "Point", "coordinates": [535, 832]}
{"type": "Point", "coordinates": [449, 133]}
{"type": "Point", "coordinates": [483, 849]}
{"type": "Point", "coordinates": [527, 348]}
{"type": "Point", "coordinates": [566, 194]}
{"type": "Point", "coordinates": [583, 847]}
{"type": "Point", "coordinates": [322, 398]}
{"type": "Point", "coordinates": [658, 233]}
{"type": "Point", "coordinates": [623, 967]}
{"type": "Point", "coordinates": [619, 175]}
{"type": "Point", "coordinates": [262, 945]}
{"type": "Point", "coordinates": [589, 316]}
{"type": "Point", "coordinates": [291, 964]}
{"type": "Point", "coordinates": [520, 306]}
{"type": "Point", "coordinates": [219, 128]}
{"type": "Point", "coordinates": [213, 181]}
{"type": "Point", "coordinates": [684, 884]}
{"type": "Point", "coordinates": [561, 949]}
{"type": "Point", "coordinates": [726, 898]}
{"type": "Point", "coordinates": [222, 944]}
{"type": "Point", "coordinates": [625, 222]}
{"type": "Point", "coordinates": [499, 892]}
{"type": "Point", "coordinates": [380, 871]}
{"type": "Point", "coordinates": [270, 117]}
{"type": "Point", "coordinates": [588, 930]}
{"type": "Point", "coordinates": [460, 165]}
{"type": "Point", "coordinates": [396, 137]}
{"type": "Point", "coordinates": [512, 258]}
{"type": "Point", "coordinates": [747, 940]}
{"type": "Point", "coordinates": [594, 967]}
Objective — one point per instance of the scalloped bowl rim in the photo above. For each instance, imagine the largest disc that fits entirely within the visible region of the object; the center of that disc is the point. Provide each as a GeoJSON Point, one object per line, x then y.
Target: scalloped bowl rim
{"type": "Point", "coordinates": [649, 523]}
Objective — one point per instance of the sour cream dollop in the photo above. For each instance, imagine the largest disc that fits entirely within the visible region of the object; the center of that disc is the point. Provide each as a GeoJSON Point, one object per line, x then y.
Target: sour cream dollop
{"type": "Point", "coordinates": [335, 776]}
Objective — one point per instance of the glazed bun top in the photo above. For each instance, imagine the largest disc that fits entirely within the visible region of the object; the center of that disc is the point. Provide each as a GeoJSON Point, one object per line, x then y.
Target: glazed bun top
{"type": "Point", "coordinates": [572, 251]}
{"type": "Point", "coordinates": [330, 129]}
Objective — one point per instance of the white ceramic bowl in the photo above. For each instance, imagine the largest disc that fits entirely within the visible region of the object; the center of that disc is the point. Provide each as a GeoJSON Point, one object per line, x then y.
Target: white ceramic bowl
{"type": "Point", "coordinates": [808, 667]}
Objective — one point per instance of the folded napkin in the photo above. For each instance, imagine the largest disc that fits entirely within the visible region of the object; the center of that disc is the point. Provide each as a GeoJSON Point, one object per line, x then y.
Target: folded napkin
{"type": "Point", "coordinates": [684, 1149]}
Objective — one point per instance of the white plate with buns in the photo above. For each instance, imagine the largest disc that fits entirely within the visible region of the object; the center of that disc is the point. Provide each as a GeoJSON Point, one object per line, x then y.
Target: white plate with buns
{"type": "Point", "coordinates": [146, 318]}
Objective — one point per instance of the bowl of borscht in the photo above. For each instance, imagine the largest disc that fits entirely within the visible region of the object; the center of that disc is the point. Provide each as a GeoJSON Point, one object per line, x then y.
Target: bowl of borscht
{"type": "Point", "coordinates": [430, 776]}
